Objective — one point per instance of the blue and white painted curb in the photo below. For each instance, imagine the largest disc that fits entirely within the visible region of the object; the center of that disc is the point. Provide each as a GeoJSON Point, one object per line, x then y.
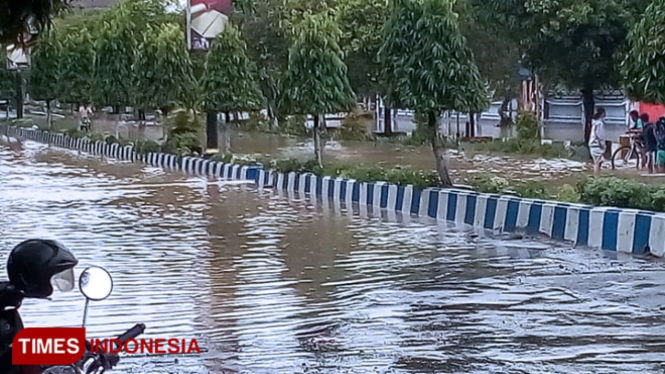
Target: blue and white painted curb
{"type": "Point", "coordinates": [191, 165]}
{"type": "Point", "coordinates": [610, 229]}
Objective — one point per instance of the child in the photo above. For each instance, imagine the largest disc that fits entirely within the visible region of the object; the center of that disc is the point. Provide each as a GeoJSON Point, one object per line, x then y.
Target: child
{"type": "Point", "coordinates": [597, 139]}
{"type": "Point", "coordinates": [659, 132]}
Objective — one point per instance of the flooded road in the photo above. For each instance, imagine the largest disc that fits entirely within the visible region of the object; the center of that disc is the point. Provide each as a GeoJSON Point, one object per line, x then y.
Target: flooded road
{"type": "Point", "coordinates": [269, 284]}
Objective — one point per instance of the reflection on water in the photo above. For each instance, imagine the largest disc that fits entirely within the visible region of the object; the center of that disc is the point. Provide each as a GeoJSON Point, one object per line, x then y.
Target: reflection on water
{"type": "Point", "coordinates": [270, 284]}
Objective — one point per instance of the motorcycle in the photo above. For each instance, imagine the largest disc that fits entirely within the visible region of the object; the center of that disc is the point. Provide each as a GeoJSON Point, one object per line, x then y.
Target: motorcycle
{"type": "Point", "coordinates": [96, 284]}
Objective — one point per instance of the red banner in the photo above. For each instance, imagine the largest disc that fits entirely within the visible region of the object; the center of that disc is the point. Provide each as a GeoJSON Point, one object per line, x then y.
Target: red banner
{"type": "Point", "coordinates": [48, 346]}
{"type": "Point", "coordinates": [207, 19]}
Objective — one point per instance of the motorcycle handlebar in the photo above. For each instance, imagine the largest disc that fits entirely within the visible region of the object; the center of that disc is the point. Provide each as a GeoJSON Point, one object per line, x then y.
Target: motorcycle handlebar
{"type": "Point", "coordinates": [132, 333]}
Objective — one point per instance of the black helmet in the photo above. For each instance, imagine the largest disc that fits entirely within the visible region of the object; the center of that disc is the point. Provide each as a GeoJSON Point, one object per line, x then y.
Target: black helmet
{"type": "Point", "coordinates": [33, 263]}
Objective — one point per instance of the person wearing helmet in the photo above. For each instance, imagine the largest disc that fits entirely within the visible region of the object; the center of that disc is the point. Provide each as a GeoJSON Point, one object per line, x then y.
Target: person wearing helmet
{"type": "Point", "coordinates": [34, 267]}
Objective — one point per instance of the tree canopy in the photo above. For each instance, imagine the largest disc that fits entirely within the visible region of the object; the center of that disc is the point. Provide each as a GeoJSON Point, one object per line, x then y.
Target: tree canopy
{"type": "Point", "coordinates": [19, 17]}
{"type": "Point", "coordinates": [316, 81]}
{"type": "Point", "coordinates": [428, 65]}
{"type": "Point", "coordinates": [229, 81]}
{"type": "Point", "coordinates": [644, 65]}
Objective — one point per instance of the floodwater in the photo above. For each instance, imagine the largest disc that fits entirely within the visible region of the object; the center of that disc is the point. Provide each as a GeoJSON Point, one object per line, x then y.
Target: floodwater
{"type": "Point", "coordinates": [272, 284]}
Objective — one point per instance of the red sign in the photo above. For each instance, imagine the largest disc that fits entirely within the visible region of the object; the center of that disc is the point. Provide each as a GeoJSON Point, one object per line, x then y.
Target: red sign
{"type": "Point", "coordinates": [48, 346]}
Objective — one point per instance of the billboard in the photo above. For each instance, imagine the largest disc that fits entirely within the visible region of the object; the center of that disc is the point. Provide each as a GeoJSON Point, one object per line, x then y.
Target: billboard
{"type": "Point", "coordinates": [205, 20]}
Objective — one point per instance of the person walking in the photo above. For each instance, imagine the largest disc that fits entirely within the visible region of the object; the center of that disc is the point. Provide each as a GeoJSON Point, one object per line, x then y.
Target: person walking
{"type": "Point", "coordinates": [85, 112]}
{"type": "Point", "coordinates": [650, 142]}
{"type": "Point", "coordinates": [597, 143]}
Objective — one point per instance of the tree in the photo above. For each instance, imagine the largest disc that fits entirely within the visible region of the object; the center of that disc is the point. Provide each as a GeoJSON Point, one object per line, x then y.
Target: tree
{"type": "Point", "coordinates": [77, 58]}
{"type": "Point", "coordinates": [361, 22]}
{"type": "Point", "coordinates": [228, 82]}
{"type": "Point", "coordinates": [165, 74]}
{"type": "Point", "coordinates": [121, 33]}
{"type": "Point", "coordinates": [262, 26]}
{"type": "Point", "coordinates": [45, 71]}
{"type": "Point", "coordinates": [16, 16]}
{"type": "Point", "coordinates": [643, 67]}
{"type": "Point", "coordinates": [429, 67]}
{"type": "Point", "coordinates": [316, 81]}
{"type": "Point", "coordinates": [574, 42]}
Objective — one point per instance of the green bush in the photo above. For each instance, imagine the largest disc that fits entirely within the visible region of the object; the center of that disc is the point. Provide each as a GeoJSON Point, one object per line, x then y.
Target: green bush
{"type": "Point", "coordinates": [532, 190]}
{"type": "Point", "coordinates": [615, 192]}
{"type": "Point", "coordinates": [146, 146]}
{"type": "Point", "coordinates": [23, 122]}
{"type": "Point", "coordinates": [568, 194]}
{"type": "Point", "coordinates": [527, 125]}
{"type": "Point", "coordinates": [489, 184]}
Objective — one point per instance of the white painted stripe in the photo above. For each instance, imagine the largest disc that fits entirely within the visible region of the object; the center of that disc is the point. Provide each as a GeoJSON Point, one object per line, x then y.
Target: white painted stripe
{"type": "Point", "coordinates": [363, 194]}
{"type": "Point", "coordinates": [626, 231]}
{"type": "Point", "coordinates": [408, 199]}
{"type": "Point", "coordinates": [392, 197]}
{"type": "Point", "coordinates": [547, 219]}
{"type": "Point", "coordinates": [460, 212]}
{"type": "Point", "coordinates": [243, 173]}
{"type": "Point", "coordinates": [442, 209]}
{"type": "Point", "coordinates": [523, 214]}
{"type": "Point", "coordinates": [280, 181]}
{"type": "Point", "coordinates": [234, 171]}
{"type": "Point", "coordinates": [501, 212]}
{"type": "Point", "coordinates": [292, 181]}
{"type": "Point", "coordinates": [596, 217]}
{"type": "Point", "coordinates": [226, 171]}
{"type": "Point", "coordinates": [424, 203]}
{"type": "Point", "coordinates": [481, 211]}
{"type": "Point", "coordinates": [572, 224]}
{"type": "Point", "coordinates": [657, 235]}
{"type": "Point", "coordinates": [337, 190]}
{"type": "Point", "coordinates": [325, 181]}
{"type": "Point", "coordinates": [349, 194]}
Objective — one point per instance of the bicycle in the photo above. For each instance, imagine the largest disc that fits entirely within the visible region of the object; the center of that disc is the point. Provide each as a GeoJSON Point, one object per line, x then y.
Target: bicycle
{"type": "Point", "coordinates": [632, 155]}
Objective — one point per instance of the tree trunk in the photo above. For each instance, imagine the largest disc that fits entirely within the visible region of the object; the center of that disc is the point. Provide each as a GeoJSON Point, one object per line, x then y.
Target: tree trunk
{"type": "Point", "coordinates": [472, 125]}
{"type": "Point", "coordinates": [227, 117]}
{"type": "Point", "coordinates": [318, 152]}
{"type": "Point", "coordinates": [211, 130]}
{"type": "Point", "coordinates": [226, 133]}
{"type": "Point", "coordinates": [387, 121]}
{"type": "Point", "coordinates": [441, 168]}
{"type": "Point", "coordinates": [272, 116]}
{"type": "Point", "coordinates": [589, 107]}
{"type": "Point", "coordinates": [49, 119]}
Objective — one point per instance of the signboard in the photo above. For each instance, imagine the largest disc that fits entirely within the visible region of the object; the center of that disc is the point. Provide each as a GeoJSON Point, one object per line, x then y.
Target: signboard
{"type": "Point", "coordinates": [17, 58]}
{"type": "Point", "coordinates": [205, 20]}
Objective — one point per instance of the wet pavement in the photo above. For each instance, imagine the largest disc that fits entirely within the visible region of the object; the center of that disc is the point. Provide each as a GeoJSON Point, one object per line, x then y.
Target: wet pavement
{"type": "Point", "coordinates": [270, 284]}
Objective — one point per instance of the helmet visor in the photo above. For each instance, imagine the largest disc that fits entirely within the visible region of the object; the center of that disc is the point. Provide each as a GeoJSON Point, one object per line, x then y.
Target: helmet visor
{"type": "Point", "coordinates": [64, 281]}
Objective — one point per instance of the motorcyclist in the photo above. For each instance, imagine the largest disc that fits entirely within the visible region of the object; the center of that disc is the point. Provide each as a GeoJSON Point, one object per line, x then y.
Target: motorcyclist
{"type": "Point", "coordinates": [34, 266]}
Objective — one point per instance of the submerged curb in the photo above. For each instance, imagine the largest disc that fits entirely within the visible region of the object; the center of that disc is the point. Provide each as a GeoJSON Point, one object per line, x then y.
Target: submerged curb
{"type": "Point", "coordinates": [610, 229]}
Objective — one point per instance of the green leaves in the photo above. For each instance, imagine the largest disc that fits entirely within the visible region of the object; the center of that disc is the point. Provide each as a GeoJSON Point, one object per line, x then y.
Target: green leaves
{"type": "Point", "coordinates": [316, 80]}
{"type": "Point", "coordinates": [229, 81]}
{"type": "Point", "coordinates": [643, 67]}
{"type": "Point", "coordinates": [427, 64]}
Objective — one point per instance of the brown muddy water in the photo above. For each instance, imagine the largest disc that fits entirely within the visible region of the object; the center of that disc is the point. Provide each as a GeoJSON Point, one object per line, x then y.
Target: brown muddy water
{"type": "Point", "coordinates": [271, 284]}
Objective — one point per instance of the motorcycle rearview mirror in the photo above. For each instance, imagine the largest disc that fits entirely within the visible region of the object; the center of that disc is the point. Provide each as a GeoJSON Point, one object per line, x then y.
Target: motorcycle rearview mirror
{"type": "Point", "coordinates": [96, 284]}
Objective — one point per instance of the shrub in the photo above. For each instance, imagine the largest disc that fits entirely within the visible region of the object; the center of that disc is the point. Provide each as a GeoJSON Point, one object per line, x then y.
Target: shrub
{"type": "Point", "coordinates": [489, 184]}
{"type": "Point", "coordinates": [23, 122]}
{"type": "Point", "coordinates": [527, 125]}
{"type": "Point", "coordinates": [146, 146]}
{"type": "Point", "coordinates": [616, 192]}
{"type": "Point", "coordinates": [568, 193]}
{"type": "Point", "coordinates": [531, 190]}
